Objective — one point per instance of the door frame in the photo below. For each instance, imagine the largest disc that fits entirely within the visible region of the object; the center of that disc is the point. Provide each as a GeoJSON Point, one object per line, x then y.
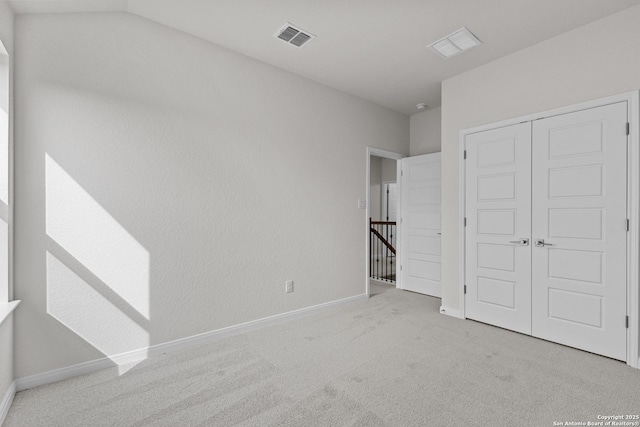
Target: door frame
{"type": "Point", "coordinates": [633, 204]}
{"type": "Point", "coordinates": [377, 152]}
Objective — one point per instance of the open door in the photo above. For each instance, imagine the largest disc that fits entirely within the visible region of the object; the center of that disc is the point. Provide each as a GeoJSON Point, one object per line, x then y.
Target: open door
{"type": "Point", "coordinates": [420, 224]}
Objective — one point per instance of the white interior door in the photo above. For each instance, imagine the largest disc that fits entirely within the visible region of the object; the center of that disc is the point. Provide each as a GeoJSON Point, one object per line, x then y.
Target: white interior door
{"type": "Point", "coordinates": [580, 212]}
{"type": "Point", "coordinates": [420, 224]}
{"type": "Point", "coordinates": [498, 215]}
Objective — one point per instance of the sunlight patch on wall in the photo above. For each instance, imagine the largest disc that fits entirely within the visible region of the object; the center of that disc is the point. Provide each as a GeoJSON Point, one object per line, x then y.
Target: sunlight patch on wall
{"type": "Point", "coordinates": [77, 223]}
{"type": "Point", "coordinates": [78, 306]}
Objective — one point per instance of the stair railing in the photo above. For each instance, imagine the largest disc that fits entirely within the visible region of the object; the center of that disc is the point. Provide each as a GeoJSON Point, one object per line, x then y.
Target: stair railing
{"type": "Point", "coordinates": [382, 251]}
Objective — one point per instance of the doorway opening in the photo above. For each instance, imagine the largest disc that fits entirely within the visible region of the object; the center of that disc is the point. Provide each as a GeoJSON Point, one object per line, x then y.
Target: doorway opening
{"type": "Point", "coordinates": [381, 211]}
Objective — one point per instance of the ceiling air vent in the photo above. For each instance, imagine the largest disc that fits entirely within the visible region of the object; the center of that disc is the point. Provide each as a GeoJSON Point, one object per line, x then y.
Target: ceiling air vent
{"type": "Point", "coordinates": [293, 35]}
{"type": "Point", "coordinates": [455, 43]}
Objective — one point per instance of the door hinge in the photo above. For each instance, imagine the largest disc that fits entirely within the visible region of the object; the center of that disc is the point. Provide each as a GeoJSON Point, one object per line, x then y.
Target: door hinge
{"type": "Point", "coordinates": [627, 225]}
{"type": "Point", "coordinates": [464, 155]}
{"type": "Point", "coordinates": [465, 289]}
{"type": "Point", "coordinates": [627, 128]}
{"type": "Point", "coordinates": [627, 322]}
{"type": "Point", "coordinates": [400, 267]}
{"type": "Point", "coordinates": [401, 172]}
{"type": "Point", "coordinates": [465, 221]}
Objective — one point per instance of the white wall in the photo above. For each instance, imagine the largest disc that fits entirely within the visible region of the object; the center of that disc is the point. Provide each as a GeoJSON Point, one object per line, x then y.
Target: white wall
{"type": "Point", "coordinates": [4, 173]}
{"type": "Point", "coordinates": [388, 170]}
{"type": "Point", "coordinates": [381, 170]}
{"type": "Point", "coordinates": [590, 62]}
{"type": "Point", "coordinates": [6, 357]}
{"type": "Point", "coordinates": [168, 187]}
{"type": "Point", "coordinates": [375, 180]}
{"type": "Point", "coordinates": [425, 131]}
{"type": "Point", "coordinates": [6, 329]}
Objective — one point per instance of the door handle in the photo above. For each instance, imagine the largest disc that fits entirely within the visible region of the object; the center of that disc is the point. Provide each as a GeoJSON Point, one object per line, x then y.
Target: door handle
{"type": "Point", "coordinates": [541, 243]}
{"type": "Point", "coordinates": [521, 242]}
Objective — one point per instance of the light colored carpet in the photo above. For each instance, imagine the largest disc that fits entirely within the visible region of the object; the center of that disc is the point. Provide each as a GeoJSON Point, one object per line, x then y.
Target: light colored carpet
{"type": "Point", "coordinates": [389, 361]}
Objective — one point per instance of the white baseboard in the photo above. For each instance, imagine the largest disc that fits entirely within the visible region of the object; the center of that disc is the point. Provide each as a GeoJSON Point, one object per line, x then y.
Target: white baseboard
{"type": "Point", "coordinates": [451, 312]}
{"type": "Point", "coordinates": [55, 375]}
{"type": "Point", "coordinates": [6, 401]}
{"type": "Point", "coordinates": [158, 349]}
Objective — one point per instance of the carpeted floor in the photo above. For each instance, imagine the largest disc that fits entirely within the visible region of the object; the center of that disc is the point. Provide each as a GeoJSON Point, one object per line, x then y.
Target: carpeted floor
{"type": "Point", "coordinates": [390, 361]}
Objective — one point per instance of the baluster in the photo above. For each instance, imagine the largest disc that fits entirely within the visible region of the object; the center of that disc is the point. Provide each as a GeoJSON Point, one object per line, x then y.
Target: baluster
{"type": "Point", "coordinates": [371, 236]}
{"type": "Point", "coordinates": [393, 271]}
{"type": "Point", "coordinates": [386, 261]}
{"type": "Point", "coordinates": [378, 255]}
{"type": "Point", "coordinates": [386, 252]}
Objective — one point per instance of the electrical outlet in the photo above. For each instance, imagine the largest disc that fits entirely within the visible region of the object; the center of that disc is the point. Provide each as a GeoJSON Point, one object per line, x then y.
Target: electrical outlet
{"type": "Point", "coordinates": [288, 286]}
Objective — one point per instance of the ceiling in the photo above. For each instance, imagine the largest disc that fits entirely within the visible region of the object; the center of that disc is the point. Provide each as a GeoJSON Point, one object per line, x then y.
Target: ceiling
{"type": "Point", "coordinates": [374, 49]}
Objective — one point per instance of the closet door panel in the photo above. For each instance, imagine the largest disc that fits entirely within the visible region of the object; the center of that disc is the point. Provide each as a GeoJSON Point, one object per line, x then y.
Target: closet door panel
{"type": "Point", "coordinates": [498, 211]}
{"type": "Point", "coordinates": [579, 166]}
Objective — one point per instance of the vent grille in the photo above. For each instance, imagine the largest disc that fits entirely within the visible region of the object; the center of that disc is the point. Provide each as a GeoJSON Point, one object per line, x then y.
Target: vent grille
{"type": "Point", "coordinates": [455, 43]}
{"type": "Point", "coordinates": [294, 36]}
{"type": "Point", "coordinates": [288, 34]}
{"type": "Point", "coordinates": [300, 39]}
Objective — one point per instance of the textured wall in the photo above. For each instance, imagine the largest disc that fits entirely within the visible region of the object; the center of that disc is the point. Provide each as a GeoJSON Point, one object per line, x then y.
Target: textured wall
{"type": "Point", "coordinates": [388, 172]}
{"type": "Point", "coordinates": [425, 131]}
{"type": "Point", "coordinates": [6, 356]}
{"type": "Point", "coordinates": [169, 187]}
{"type": "Point", "coordinates": [381, 170]}
{"type": "Point", "coordinates": [593, 61]}
{"type": "Point", "coordinates": [6, 329]}
{"type": "Point", "coordinates": [375, 179]}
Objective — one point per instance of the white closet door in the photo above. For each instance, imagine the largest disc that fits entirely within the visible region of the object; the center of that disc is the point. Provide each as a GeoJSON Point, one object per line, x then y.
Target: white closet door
{"type": "Point", "coordinates": [498, 211]}
{"type": "Point", "coordinates": [579, 210]}
{"type": "Point", "coordinates": [420, 227]}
